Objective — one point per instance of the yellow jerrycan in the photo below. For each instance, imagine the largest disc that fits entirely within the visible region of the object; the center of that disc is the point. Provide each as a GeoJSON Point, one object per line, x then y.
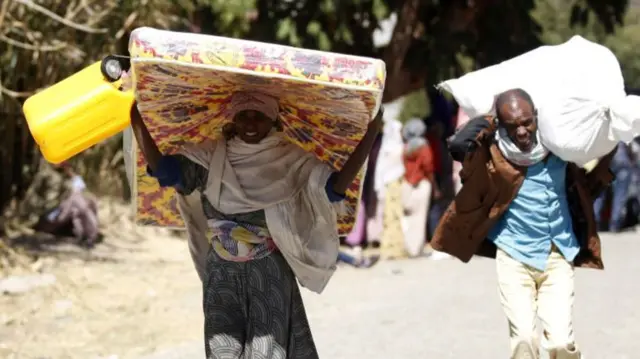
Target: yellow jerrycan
{"type": "Point", "coordinates": [81, 110]}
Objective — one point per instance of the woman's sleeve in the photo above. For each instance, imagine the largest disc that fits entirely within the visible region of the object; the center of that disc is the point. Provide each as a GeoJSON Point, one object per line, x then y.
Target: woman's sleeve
{"type": "Point", "coordinates": [181, 173]}
{"type": "Point", "coordinates": [426, 158]}
{"type": "Point", "coordinates": [322, 179]}
{"type": "Point", "coordinates": [331, 193]}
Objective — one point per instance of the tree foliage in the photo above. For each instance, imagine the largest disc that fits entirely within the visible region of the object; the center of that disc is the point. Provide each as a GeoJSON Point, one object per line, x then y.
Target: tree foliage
{"type": "Point", "coordinates": [556, 17]}
{"type": "Point", "coordinates": [433, 39]}
{"type": "Point", "coordinates": [499, 32]}
{"type": "Point", "coordinates": [42, 42]}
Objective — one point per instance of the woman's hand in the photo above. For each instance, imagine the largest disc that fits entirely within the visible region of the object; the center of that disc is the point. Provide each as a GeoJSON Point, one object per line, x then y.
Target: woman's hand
{"type": "Point", "coordinates": [127, 82]}
{"type": "Point", "coordinates": [377, 124]}
{"type": "Point", "coordinates": [148, 147]}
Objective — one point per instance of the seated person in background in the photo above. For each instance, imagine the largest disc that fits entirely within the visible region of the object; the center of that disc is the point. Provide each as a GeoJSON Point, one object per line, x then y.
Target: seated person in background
{"type": "Point", "coordinates": [77, 213]}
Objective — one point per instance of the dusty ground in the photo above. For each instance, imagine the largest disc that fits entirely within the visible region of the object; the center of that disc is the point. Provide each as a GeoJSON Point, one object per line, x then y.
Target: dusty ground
{"type": "Point", "coordinates": [124, 299]}
{"type": "Point", "coordinates": [136, 298]}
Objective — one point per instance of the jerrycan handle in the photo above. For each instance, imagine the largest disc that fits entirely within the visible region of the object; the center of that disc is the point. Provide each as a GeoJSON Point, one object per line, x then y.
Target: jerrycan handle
{"type": "Point", "coordinates": [113, 66]}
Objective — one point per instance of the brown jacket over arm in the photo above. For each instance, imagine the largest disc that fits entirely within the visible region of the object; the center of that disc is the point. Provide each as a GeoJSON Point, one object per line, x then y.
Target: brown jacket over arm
{"type": "Point", "coordinates": [490, 183]}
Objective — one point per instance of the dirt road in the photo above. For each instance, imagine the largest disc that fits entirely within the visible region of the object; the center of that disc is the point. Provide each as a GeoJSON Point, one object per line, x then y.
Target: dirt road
{"type": "Point", "coordinates": [147, 305]}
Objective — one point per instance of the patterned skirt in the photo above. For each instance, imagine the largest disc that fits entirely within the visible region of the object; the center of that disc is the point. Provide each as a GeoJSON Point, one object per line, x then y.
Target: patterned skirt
{"type": "Point", "coordinates": [253, 309]}
{"type": "Point", "coordinates": [392, 244]}
{"type": "Point", "coordinates": [415, 201]}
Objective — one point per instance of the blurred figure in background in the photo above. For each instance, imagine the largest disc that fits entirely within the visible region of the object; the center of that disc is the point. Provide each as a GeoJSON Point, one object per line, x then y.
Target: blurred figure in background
{"type": "Point", "coordinates": [461, 120]}
{"type": "Point", "coordinates": [358, 262]}
{"type": "Point", "coordinates": [387, 184]}
{"type": "Point", "coordinates": [372, 206]}
{"type": "Point", "coordinates": [440, 126]}
{"type": "Point", "coordinates": [357, 237]}
{"type": "Point", "coordinates": [361, 234]}
{"type": "Point", "coordinates": [634, 187]}
{"type": "Point", "coordinates": [77, 213]}
{"type": "Point", "coordinates": [622, 167]}
{"type": "Point", "coordinates": [418, 187]}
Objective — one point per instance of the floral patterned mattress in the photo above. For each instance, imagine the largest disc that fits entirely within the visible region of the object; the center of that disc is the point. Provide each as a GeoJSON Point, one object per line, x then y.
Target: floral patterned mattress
{"type": "Point", "coordinates": [183, 84]}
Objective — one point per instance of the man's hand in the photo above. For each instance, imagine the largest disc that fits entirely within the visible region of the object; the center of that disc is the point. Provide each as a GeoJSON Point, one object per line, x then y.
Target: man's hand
{"type": "Point", "coordinates": [463, 141]}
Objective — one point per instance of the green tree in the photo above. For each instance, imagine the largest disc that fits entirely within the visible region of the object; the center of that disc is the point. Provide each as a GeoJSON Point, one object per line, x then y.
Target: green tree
{"type": "Point", "coordinates": [499, 32]}
{"type": "Point", "coordinates": [432, 41]}
{"type": "Point", "coordinates": [555, 17]}
{"type": "Point", "coordinates": [624, 44]}
{"type": "Point", "coordinates": [43, 42]}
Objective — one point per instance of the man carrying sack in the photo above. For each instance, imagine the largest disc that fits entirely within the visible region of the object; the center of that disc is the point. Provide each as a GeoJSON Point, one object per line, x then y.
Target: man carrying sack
{"type": "Point", "coordinates": [530, 210]}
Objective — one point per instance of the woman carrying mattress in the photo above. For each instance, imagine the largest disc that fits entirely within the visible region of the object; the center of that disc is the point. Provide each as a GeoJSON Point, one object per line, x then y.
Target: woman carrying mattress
{"type": "Point", "coordinates": [268, 210]}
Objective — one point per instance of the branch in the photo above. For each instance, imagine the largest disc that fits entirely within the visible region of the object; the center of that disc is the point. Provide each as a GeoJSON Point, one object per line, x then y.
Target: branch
{"type": "Point", "coordinates": [402, 36]}
{"type": "Point", "coordinates": [3, 12]}
{"type": "Point", "coordinates": [22, 45]}
{"type": "Point", "coordinates": [85, 5]}
{"type": "Point", "coordinates": [127, 24]}
{"type": "Point", "coordinates": [14, 94]}
{"type": "Point", "coordinates": [33, 6]}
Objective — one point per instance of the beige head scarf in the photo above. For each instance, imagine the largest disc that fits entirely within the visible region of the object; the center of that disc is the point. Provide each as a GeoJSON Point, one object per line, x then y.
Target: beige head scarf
{"type": "Point", "coordinates": [256, 101]}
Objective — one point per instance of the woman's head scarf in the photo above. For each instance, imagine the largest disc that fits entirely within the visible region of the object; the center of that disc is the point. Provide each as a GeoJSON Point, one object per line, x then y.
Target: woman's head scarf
{"type": "Point", "coordinates": [413, 133]}
{"type": "Point", "coordinates": [255, 101]}
{"type": "Point", "coordinates": [415, 127]}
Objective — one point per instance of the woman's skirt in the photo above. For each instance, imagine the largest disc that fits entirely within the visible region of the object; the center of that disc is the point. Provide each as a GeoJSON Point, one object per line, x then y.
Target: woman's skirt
{"type": "Point", "coordinates": [254, 309]}
{"type": "Point", "coordinates": [392, 244]}
{"type": "Point", "coordinates": [375, 223]}
{"type": "Point", "coordinates": [415, 201]}
{"type": "Point", "coordinates": [358, 233]}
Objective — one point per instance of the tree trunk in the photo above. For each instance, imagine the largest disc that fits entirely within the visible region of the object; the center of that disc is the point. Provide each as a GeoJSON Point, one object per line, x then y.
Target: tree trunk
{"type": "Point", "coordinates": [401, 81]}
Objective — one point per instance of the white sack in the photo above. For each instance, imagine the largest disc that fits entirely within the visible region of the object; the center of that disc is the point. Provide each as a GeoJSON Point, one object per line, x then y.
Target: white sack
{"type": "Point", "coordinates": [578, 89]}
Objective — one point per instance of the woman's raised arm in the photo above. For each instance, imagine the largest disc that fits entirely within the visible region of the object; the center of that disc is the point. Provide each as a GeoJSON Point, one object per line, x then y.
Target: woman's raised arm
{"type": "Point", "coordinates": [148, 147]}
{"type": "Point", "coordinates": [345, 177]}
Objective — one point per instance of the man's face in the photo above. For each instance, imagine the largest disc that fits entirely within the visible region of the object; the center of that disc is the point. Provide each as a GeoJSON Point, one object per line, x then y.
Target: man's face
{"type": "Point", "coordinates": [518, 118]}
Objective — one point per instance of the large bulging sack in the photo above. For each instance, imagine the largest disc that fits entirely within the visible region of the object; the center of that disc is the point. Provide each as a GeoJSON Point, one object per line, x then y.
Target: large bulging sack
{"type": "Point", "coordinates": [578, 89]}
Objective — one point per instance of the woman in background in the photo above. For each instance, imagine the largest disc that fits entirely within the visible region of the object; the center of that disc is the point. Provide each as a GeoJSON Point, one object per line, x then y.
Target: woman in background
{"type": "Point", "coordinates": [363, 233]}
{"type": "Point", "coordinates": [388, 186]}
{"type": "Point", "coordinates": [440, 125]}
{"type": "Point", "coordinates": [418, 187]}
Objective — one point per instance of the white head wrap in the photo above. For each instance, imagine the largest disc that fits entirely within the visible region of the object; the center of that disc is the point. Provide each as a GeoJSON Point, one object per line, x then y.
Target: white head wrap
{"type": "Point", "coordinates": [256, 101]}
